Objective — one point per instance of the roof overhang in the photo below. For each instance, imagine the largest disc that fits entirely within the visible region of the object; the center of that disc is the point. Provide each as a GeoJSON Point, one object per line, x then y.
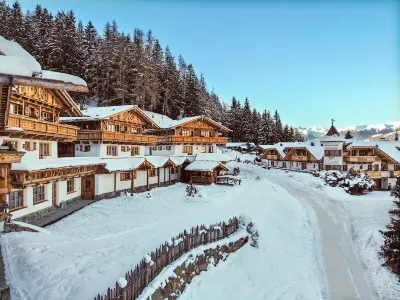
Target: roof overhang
{"type": "Point", "coordinates": [47, 83]}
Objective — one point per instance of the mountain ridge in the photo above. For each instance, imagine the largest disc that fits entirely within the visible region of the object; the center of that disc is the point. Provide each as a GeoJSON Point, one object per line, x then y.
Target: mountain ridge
{"type": "Point", "coordinates": [373, 132]}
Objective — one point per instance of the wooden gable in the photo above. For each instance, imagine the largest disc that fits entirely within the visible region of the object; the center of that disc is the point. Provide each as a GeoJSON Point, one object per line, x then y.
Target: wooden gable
{"type": "Point", "coordinates": [37, 93]}
{"type": "Point", "coordinates": [130, 116]}
{"type": "Point", "coordinates": [202, 124]}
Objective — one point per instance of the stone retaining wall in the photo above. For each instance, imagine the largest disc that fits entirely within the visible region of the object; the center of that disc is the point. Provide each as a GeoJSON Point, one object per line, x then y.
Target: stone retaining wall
{"type": "Point", "coordinates": [193, 267]}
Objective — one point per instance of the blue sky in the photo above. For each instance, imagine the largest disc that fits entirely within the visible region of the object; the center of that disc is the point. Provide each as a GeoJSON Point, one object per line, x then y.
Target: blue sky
{"type": "Point", "coordinates": [311, 61]}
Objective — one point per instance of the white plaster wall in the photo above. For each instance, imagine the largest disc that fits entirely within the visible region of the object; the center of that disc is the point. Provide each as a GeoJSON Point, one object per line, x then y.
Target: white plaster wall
{"type": "Point", "coordinates": [123, 185]}
{"type": "Point", "coordinates": [28, 202]}
{"type": "Point", "coordinates": [141, 178]}
{"type": "Point", "coordinates": [35, 153]}
{"type": "Point", "coordinates": [312, 167]}
{"type": "Point", "coordinates": [104, 183]}
{"type": "Point", "coordinates": [153, 180]}
{"type": "Point", "coordinates": [177, 150]}
{"type": "Point", "coordinates": [94, 151]}
{"type": "Point", "coordinates": [62, 194]}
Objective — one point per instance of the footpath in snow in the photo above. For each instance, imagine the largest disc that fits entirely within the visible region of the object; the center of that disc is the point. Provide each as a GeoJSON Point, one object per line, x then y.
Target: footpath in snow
{"type": "Point", "coordinates": [88, 251]}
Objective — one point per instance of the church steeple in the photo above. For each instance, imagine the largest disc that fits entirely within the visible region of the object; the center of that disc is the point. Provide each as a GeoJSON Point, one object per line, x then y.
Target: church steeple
{"type": "Point", "coordinates": [332, 131]}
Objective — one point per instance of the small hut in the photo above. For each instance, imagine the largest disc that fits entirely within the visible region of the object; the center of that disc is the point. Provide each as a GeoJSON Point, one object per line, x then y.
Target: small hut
{"type": "Point", "coordinates": [204, 172]}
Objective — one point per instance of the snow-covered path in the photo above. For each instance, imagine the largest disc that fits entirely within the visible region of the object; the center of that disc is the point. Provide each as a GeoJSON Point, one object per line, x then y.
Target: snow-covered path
{"type": "Point", "coordinates": [345, 275]}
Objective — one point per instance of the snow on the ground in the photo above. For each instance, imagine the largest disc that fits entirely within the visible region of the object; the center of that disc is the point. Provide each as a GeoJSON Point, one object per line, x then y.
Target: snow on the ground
{"type": "Point", "coordinates": [365, 216]}
{"type": "Point", "coordinates": [88, 251]}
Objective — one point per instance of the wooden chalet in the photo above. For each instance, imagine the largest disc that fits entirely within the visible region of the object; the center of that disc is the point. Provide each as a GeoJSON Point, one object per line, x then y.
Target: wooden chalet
{"type": "Point", "coordinates": [380, 160]}
{"type": "Point", "coordinates": [198, 130]}
{"type": "Point", "coordinates": [204, 172]}
{"type": "Point", "coordinates": [305, 157]}
{"type": "Point", "coordinates": [119, 125]}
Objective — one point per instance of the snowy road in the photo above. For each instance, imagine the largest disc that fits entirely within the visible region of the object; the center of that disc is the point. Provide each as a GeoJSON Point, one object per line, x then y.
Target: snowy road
{"type": "Point", "coordinates": [345, 275]}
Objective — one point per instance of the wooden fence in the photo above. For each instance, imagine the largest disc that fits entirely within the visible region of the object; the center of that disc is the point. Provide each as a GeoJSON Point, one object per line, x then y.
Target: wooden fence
{"type": "Point", "coordinates": [141, 276]}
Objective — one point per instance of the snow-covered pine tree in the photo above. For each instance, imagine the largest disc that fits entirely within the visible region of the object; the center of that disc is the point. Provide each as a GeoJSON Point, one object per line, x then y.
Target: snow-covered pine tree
{"type": "Point", "coordinates": [192, 105]}
{"type": "Point", "coordinates": [348, 135]}
{"type": "Point", "coordinates": [286, 134]}
{"type": "Point", "coordinates": [390, 251]}
{"type": "Point", "coordinates": [246, 122]}
{"type": "Point", "coordinates": [277, 129]}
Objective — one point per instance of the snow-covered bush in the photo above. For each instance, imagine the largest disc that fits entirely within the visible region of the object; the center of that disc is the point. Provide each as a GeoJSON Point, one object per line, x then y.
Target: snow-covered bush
{"type": "Point", "coordinates": [191, 190]}
{"type": "Point", "coordinates": [251, 230]}
{"type": "Point", "coordinates": [352, 182]}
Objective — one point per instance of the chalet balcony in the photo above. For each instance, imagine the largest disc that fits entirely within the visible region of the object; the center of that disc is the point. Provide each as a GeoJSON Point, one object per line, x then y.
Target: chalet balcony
{"type": "Point", "coordinates": [374, 174]}
{"type": "Point", "coordinates": [111, 136]}
{"type": "Point", "coordinates": [272, 157]}
{"type": "Point", "coordinates": [394, 173]}
{"type": "Point", "coordinates": [299, 158]}
{"type": "Point", "coordinates": [32, 126]}
{"type": "Point", "coordinates": [360, 159]}
{"type": "Point", "coordinates": [178, 139]}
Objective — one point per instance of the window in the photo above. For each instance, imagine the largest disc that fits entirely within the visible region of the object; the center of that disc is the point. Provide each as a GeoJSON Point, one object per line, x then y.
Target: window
{"type": "Point", "coordinates": [116, 128]}
{"type": "Point", "coordinates": [333, 153]}
{"type": "Point", "coordinates": [112, 150]}
{"type": "Point", "coordinates": [396, 167]}
{"type": "Point", "coordinates": [124, 128]}
{"type": "Point", "coordinates": [13, 145]}
{"type": "Point", "coordinates": [203, 149]}
{"type": "Point", "coordinates": [44, 149]}
{"type": "Point", "coordinates": [211, 149]}
{"type": "Point", "coordinates": [47, 115]}
{"type": "Point", "coordinates": [84, 148]}
{"type": "Point", "coordinates": [16, 200]}
{"type": "Point", "coordinates": [344, 168]}
{"type": "Point", "coordinates": [125, 176]}
{"type": "Point", "coordinates": [159, 148]}
{"type": "Point", "coordinates": [369, 167]}
{"type": "Point", "coordinates": [110, 127]}
{"type": "Point", "coordinates": [135, 130]}
{"type": "Point", "coordinates": [174, 170]}
{"type": "Point", "coordinates": [154, 148]}
{"type": "Point", "coordinates": [361, 167]}
{"type": "Point", "coordinates": [70, 185]}
{"type": "Point", "coordinates": [168, 148]}
{"type": "Point", "coordinates": [29, 146]}
{"type": "Point", "coordinates": [38, 194]}
{"type": "Point", "coordinates": [134, 151]}
{"type": "Point", "coordinates": [186, 132]}
{"type": "Point", "coordinates": [153, 172]}
{"type": "Point", "coordinates": [125, 148]}
{"type": "Point", "coordinates": [16, 109]}
{"type": "Point", "coordinates": [187, 149]}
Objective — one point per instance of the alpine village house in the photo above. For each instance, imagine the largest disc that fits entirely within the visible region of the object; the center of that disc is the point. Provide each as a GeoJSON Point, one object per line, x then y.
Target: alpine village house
{"type": "Point", "coordinates": [53, 154]}
{"type": "Point", "coordinates": [380, 160]}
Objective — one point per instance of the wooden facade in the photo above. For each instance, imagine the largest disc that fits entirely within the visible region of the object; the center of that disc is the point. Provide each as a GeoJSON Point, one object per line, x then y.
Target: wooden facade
{"type": "Point", "coordinates": [204, 177]}
{"type": "Point", "coordinates": [198, 131]}
{"type": "Point", "coordinates": [127, 127]}
{"type": "Point", "coordinates": [33, 112]}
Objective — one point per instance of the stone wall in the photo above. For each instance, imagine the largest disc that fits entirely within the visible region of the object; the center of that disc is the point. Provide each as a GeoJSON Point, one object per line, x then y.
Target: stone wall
{"type": "Point", "coordinates": [12, 227]}
{"type": "Point", "coordinates": [69, 202]}
{"type": "Point", "coordinates": [35, 215]}
{"type": "Point", "coordinates": [193, 267]}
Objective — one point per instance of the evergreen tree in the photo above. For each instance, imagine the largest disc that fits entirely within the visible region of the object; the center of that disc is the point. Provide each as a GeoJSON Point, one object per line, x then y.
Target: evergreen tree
{"type": "Point", "coordinates": [246, 121]}
{"type": "Point", "coordinates": [348, 135]}
{"type": "Point", "coordinates": [390, 251]}
{"type": "Point", "coordinates": [278, 129]}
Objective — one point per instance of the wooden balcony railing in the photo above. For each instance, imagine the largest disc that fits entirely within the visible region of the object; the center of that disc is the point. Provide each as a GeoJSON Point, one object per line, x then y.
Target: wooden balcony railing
{"type": "Point", "coordinates": [40, 126]}
{"type": "Point", "coordinates": [299, 158]}
{"type": "Point", "coordinates": [192, 139]}
{"type": "Point", "coordinates": [395, 173]}
{"type": "Point", "coordinates": [374, 174]}
{"type": "Point", "coordinates": [360, 159]}
{"type": "Point", "coordinates": [272, 157]}
{"type": "Point", "coordinates": [100, 135]}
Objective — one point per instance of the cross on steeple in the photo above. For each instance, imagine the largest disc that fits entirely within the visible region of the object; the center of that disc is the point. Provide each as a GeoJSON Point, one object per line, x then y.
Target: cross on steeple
{"type": "Point", "coordinates": [333, 121]}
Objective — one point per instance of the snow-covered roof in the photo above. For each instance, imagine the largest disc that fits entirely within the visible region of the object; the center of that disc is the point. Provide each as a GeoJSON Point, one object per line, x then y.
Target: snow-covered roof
{"type": "Point", "coordinates": [157, 161]}
{"type": "Point", "coordinates": [333, 138]}
{"type": "Point", "coordinates": [178, 160]}
{"type": "Point", "coordinates": [166, 122]}
{"type": "Point", "coordinates": [219, 157]}
{"type": "Point", "coordinates": [390, 148]}
{"type": "Point", "coordinates": [17, 61]}
{"type": "Point", "coordinates": [203, 166]}
{"type": "Point", "coordinates": [123, 164]}
{"type": "Point", "coordinates": [53, 163]}
{"type": "Point", "coordinates": [98, 113]}
{"type": "Point", "coordinates": [237, 144]}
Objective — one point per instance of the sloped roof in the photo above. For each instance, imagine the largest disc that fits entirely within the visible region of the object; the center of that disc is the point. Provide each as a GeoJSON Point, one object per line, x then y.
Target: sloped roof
{"type": "Point", "coordinates": [219, 157]}
{"type": "Point", "coordinates": [178, 160]}
{"type": "Point", "coordinates": [17, 62]}
{"type": "Point", "coordinates": [332, 131]}
{"type": "Point", "coordinates": [106, 112]}
{"type": "Point", "coordinates": [158, 161]}
{"type": "Point", "coordinates": [204, 166]}
{"type": "Point", "coordinates": [54, 163]}
{"type": "Point", "coordinates": [390, 148]}
{"type": "Point", "coordinates": [123, 163]}
{"type": "Point", "coordinates": [166, 122]}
